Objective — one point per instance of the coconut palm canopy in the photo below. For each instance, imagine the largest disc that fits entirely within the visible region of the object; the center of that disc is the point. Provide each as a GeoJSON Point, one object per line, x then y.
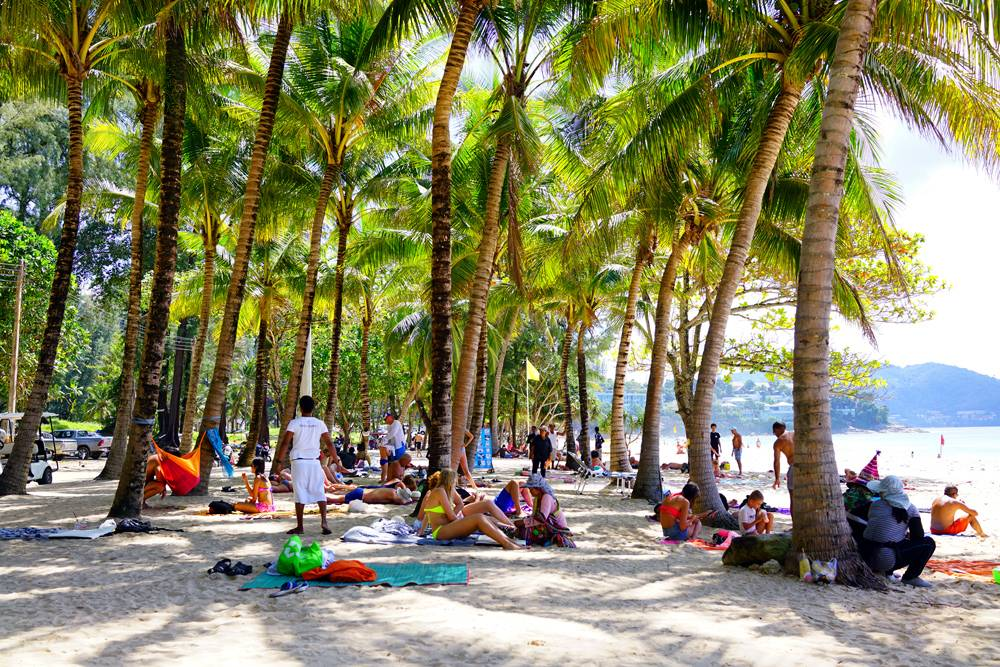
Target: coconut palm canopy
{"type": "Point", "coordinates": [437, 193]}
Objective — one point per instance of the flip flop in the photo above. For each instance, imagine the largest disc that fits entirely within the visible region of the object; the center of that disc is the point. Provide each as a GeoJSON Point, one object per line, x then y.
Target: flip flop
{"type": "Point", "coordinates": [222, 567]}
{"type": "Point", "coordinates": [239, 570]}
{"type": "Point", "coordinates": [286, 588]}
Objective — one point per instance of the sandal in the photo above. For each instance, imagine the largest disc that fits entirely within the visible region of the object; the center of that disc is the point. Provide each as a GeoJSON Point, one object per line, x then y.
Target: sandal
{"type": "Point", "coordinates": [289, 587]}
{"type": "Point", "coordinates": [222, 567]}
{"type": "Point", "coordinates": [239, 570]}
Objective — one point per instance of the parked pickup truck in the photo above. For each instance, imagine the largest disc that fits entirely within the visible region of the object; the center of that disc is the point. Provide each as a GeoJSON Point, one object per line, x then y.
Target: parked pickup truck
{"type": "Point", "coordinates": [86, 444]}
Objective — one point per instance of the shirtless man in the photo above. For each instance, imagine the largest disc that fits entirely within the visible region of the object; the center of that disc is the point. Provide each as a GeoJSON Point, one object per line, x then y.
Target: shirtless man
{"type": "Point", "coordinates": [784, 444]}
{"type": "Point", "coordinates": [943, 521]}
{"type": "Point", "coordinates": [738, 449]}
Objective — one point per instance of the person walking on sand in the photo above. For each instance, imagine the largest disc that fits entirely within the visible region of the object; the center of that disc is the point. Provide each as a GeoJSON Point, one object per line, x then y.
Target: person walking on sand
{"type": "Point", "coordinates": [784, 444]}
{"type": "Point", "coordinates": [943, 510]}
{"type": "Point", "coordinates": [738, 449]}
{"type": "Point", "coordinates": [307, 436]}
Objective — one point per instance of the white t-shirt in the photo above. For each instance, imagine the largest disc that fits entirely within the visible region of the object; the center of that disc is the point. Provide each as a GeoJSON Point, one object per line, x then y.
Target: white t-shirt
{"type": "Point", "coordinates": [748, 514]}
{"type": "Point", "coordinates": [394, 435]}
{"type": "Point", "coordinates": [306, 435]}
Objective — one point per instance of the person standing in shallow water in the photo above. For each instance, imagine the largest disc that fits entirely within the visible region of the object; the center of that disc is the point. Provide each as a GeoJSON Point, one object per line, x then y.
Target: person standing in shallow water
{"type": "Point", "coordinates": [738, 449]}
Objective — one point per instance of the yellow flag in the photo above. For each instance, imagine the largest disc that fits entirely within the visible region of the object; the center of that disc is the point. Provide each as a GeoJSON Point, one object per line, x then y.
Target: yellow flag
{"type": "Point", "coordinates": [532, 372]}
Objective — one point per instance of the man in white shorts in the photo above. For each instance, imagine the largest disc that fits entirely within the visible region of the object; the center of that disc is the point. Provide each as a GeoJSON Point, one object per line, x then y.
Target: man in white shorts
{"type": "Point", "coordinates": [307, 436]}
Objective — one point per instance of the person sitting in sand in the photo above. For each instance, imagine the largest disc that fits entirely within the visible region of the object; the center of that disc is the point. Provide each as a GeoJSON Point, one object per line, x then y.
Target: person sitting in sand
{"type": "Point", "coordinates": [894, 537]}
{"type": "Point", "coordinates": [545, 507]}
{"type": "Point", "coordinates": [752, 517]}
{"type": "Point", "coordinates": [676, 518]}
{"type": "Point", "coordinates": [397, 467]}
{"type": "Point", "coordinates": [156, 485]}
{"type": "Point", "coordinates": [504, 501]}
{"type": "Point", "coordinates": [596, 464]}
{"type": "Point", "coordinates": [943, 511]}
{"type": "Point", "coordinates": [259, 495]}
{"type": "Point", "coordinates": [445, 523]}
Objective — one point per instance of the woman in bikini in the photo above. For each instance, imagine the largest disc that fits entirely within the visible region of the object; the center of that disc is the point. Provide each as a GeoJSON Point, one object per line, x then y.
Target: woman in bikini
{"type": "Point", "coordinates": [676, 519]}
{"type": "Point", "coordinates": [439, 513]}
{"type": "Point", "coordinates": [261, 499]}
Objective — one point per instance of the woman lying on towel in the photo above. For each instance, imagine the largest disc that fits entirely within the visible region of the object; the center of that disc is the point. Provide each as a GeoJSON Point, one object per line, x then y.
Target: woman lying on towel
{"type": "Point", "coordinates": [260, 499]}
{"type": "Point", "coordinates": [449, 520]}
{"type": "Point", "coordinates": [391, 493]}
{"type": "Point", "coordinates": [407, 482]}
{"type": "Point", "coordinates": [513, 500]}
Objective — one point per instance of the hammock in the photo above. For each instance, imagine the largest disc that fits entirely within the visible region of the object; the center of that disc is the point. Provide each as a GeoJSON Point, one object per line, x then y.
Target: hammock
{"type": "Point", "coordinates": [181, 473]}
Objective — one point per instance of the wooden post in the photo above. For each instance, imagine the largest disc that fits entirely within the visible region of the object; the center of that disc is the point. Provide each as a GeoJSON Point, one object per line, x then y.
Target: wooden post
{"type": "Point", "coordinates": [16, 346]}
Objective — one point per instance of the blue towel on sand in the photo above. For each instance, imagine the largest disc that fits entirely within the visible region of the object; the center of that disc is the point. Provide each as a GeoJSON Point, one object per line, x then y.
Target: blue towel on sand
{"type": "Point", "coordinates": [389, 574]}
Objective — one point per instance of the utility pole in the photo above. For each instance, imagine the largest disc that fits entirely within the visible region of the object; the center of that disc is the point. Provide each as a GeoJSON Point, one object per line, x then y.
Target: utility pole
{"type": "Point", "coordinates": [16, 346]}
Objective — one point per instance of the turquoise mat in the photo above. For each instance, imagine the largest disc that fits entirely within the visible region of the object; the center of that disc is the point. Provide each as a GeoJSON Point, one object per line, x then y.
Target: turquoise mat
{"type": "Point", "coordinates": [389, 574]}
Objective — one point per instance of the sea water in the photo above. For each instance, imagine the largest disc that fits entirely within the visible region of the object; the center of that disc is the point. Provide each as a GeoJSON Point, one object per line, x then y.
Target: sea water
{"type": "Point", "coordinates": [902, 452]}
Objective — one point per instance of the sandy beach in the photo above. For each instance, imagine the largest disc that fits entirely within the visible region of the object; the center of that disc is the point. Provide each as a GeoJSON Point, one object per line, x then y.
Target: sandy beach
{"type": "Point", "coordinates": [619, 598]}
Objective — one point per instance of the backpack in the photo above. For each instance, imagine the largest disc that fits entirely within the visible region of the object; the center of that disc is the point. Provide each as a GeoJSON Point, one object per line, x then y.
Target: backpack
{"type": "Point", "coordinates": [220, 507]}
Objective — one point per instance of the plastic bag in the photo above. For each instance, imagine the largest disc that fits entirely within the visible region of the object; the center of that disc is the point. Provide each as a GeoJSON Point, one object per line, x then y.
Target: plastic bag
{"type": "Point", "coordinates": [296, 559]}
{"type": "Point", "coordinates": [824, 572]}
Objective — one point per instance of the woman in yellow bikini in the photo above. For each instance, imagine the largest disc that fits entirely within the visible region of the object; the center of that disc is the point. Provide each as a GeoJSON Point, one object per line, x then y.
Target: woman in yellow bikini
{"type": "Point", "coordinates": [445, 523]}
{"type": "Point", "coordinates": [260, 499]}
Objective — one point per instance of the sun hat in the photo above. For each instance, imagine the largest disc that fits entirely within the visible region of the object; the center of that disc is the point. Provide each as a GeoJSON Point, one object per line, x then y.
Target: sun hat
{"type": "Point", "coordinates": [536, 481]}
{"type": "Point", "coordinates": [890, 489]}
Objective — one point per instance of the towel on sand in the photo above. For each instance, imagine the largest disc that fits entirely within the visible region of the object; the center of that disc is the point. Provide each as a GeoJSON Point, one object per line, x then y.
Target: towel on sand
{"type": "Point", "coordinates": [978, 568]}
{"type": "Point", "coordinates": [701, 544]}
{"type": "Point", "coordinates": [376, 534]}
{"type": "Point", "coordinates": [387, 574]}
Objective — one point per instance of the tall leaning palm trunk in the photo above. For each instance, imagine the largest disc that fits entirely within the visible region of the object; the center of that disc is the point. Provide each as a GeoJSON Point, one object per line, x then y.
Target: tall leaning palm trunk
{"type": "Point", "coordinates": [244, 245]}
{"type": "Point", "coordinates": [126, 396]}
{"type": "Point", "coordinates": [343, 229]}
{"type": "Point", "coordinates": [775, 129]}
{"type": "Point", "coordinates": [439, 447]}
{"type": "Point", "coordinates": [366, 401]}
{"type": "Point", "coordinates": [308, 294]}
{"type": "Point", "coordinates": [128, 497]}
{"type": "Point", "coordinates": [619, 449]}
{"type": "Point", "coordinates": [647, 483]}
{"type": "Point", "coordinates": [820, 523]}
{"type": "Point", "coordinates": [14, 479]}
{"type": "Point", "coordinates": [564, 395]}
{"type": "Point", "coordinates": [478, 411]}
{"type": "Point", "coordinates": [465, 379]}
{"type": "Point", "coordinates": [581, 378]}
{"type": "Point", "coordinates": [208, 241]}
{"type": "Point", "coordinates": [262, 365]}
{"type": "Point", "coordinates": [495, 397]}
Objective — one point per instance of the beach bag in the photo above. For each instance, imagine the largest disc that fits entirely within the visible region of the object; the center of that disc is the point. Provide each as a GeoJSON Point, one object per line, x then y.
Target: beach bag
{"type": "Point", "coordinates": [296, 559]}
{"type": "Point", "coordinates": [546, 533]}
{"type": "Point", "coordinates": [220, 507]}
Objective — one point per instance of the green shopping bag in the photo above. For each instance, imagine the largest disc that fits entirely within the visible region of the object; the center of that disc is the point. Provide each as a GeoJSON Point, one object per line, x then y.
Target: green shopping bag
{"type": "Point", "coordinates": [296, 559]}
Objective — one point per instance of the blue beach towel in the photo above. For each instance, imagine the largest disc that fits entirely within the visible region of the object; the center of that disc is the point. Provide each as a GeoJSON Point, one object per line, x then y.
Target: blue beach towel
{"type": "Point", "coordinates": [388, 574]}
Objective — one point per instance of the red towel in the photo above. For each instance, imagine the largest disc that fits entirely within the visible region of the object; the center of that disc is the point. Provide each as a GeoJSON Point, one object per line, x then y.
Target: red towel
{"type": "Point", "coordinates": [342, 572]}
{"type": "Point", "coordinates": [982, 568]}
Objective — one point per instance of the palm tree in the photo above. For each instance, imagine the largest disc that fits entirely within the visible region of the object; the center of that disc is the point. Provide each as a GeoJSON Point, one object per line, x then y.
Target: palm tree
{"type": "Point", "coordinates": [54, 48]}
{"type": "Point", "coordinates": [241, 260]}
{"type": "Point", "coordinates": [820, 521]}
{"type": "Point", "coordinates": [128, 497]}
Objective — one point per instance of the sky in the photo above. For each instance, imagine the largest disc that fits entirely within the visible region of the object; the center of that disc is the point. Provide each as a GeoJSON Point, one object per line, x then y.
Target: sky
{"type": "Point", "coordinates": [957, 208]}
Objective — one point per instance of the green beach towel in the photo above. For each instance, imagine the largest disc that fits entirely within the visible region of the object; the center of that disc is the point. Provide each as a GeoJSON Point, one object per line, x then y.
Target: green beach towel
{"type": "Point", "coordinates": [389, 574]}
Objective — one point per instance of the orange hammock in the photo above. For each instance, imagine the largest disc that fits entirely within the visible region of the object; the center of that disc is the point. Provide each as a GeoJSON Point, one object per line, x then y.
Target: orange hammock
{"type": "Point", "coordinates": [181, 473]}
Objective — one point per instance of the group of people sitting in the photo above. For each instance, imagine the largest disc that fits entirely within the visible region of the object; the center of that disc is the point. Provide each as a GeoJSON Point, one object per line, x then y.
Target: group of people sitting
{"type": "Point", "coordinates": [680, 523]}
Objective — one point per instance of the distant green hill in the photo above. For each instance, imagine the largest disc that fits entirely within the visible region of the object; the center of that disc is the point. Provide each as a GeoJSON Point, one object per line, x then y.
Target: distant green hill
{"type": "Point", "coordinates": [940, 395]}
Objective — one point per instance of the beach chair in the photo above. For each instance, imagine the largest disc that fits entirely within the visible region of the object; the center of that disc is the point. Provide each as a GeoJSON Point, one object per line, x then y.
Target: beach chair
{"type": "Point", "coordinates": [582, 472]}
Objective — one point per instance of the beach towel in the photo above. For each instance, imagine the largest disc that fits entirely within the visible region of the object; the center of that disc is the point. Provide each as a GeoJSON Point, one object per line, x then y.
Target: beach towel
{"type": "Point", "coordinates": [26, 534]}
{"type": "Point", "coordinates": [387, 574]}
{"type": "Point", "coordinates": [342, 572]}
{"type": "Point", "coordinates": [105, 528]}
{"type": "Point", "coordinates": [957, 567]}
{"type": "Point", "coordinates": [213, 437]}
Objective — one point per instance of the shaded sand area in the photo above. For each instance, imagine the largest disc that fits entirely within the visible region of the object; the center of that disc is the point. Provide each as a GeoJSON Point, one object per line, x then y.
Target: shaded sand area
{"type": "Point", "coordinates": [620, 598]}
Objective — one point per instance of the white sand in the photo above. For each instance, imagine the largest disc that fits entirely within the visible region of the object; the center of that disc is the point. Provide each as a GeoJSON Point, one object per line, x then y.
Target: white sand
{"type": "Point", "coordinates": [618, 599]}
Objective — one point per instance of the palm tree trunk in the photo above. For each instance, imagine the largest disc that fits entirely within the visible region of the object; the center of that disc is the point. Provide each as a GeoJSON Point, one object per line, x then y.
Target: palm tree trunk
{"type": "Point", "coordinates": [198, 353]}
{"type": "Point", "coordinates": [647, 483]}
{"type": "Point", "coordinates": [128, 497]}
{"type": "Point", "coordinates": [439, 441]}
{"type": "Point", "coordinates": [567, 403]}
{"type": "Point", "coordinates": [699, 455]}
{"type": "Point", "coordinates": [14, 478]}
{"type": "Point", "coordinates": [126, 396]}
{"type": "Point", "coordinates": [619, 448]}
{"type": "Point", "coordinates": [366, 402]}
{"type": "Point", "coordinates": [495, 398]}
{"type": "Point", "coordinates": [258, 412]}
{"type": "Point", "coordinates": [308, 295]}
{"type": "Point", "coordinates": [222, 372]}
{"type": "Point", "coordinates": [820, 522]}
{"type": "Point", "coordinates": [343, 229]}
{"type": "Point", "coordinates": [479, 395]}
{"type": "Point", "coordinates": [465, 379]}
{"type": "Point", "coordinates": [581, 377]}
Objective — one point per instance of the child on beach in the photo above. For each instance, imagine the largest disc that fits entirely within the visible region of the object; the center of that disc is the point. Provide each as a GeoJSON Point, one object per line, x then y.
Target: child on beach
{"type": "Point", "coordinates": [260, 498]}
{"type": "Point", "coordinates": [753, 519]}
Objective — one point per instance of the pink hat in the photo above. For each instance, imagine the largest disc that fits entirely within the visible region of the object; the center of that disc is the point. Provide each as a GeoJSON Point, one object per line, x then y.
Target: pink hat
{"type": "Point", "coordinates": [870, 471]}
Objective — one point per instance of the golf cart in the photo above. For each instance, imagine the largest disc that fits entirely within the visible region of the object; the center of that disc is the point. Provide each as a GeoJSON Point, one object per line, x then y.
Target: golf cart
{"type": "Point", "coordinates": [43, 460]}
